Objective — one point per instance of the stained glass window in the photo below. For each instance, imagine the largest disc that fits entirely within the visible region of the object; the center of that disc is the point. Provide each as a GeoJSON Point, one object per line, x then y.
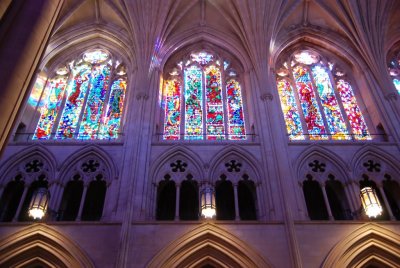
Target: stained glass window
{"type": "Point", "coordinates": [215, 108]}
{"type": "Point", "coordinates": [172, 110]}
{"type": "Point", "coordinates": [236, 128]}
{"type": "Point", "coordinates": [290, 110]}
{"type": "Point", "coordinates": [193, 103]}
{"type": "Point", "coordinates": [394, 71]}
{"type": "Point", "coordinates": [84, 101]}
{"type": "Point", "coordinates": [202, 100]}
{"type": "Point", "coordinates": [328, 106]}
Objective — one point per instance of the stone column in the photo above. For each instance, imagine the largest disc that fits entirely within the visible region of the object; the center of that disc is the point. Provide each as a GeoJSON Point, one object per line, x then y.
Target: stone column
{"type": "Point", "coordinates": [177, 202]}
{"type": "Point", "coordinates": [85, 188]}
{"type": "Point", "coordinates": [24, 33]}
{"type": "Point", "coordinates": [328, 207]}
{"type": "Point", "coordinates": [389, 210]}
{"type": "Point", "coordinates": [235, 189]}
{"type": "Point", "coordinates": [21, 202]}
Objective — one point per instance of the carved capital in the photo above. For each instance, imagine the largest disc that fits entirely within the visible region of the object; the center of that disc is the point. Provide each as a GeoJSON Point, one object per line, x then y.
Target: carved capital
{"type": "Point", "coordinates": [391, 96]}
{"type": "Point", "coordinates": [266, 97]}
{"type": "Point", "coordinates": [142, 96]}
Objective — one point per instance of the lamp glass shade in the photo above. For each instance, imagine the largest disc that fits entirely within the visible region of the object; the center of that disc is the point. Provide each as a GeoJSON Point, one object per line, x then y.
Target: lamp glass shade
{"type": "Point", "coordinates": [208, 203]}
{"type": "Point", "coordinates": [370, 202]}
{"type": "Point", "coordinates": [39, 203]}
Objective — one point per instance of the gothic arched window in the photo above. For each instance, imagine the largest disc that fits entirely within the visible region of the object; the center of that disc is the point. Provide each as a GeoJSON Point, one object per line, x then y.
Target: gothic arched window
{"type": "Point", "coordinates": [314, 197]}
{"type": "Point", "coordinates": [225, 199]}
{"type": "Point", "coordinates": [337, 199]}
{"type": "Point", "coordinates": [85, 191]}
{"type": "Point", "coordinates": [83, 100]}
{"type": "Point", "coordinates": [247, 197]}
{"type": "Point", "coordinates": [394, 71]}
{"type": "Point", "coordinates": [318, 101]}
{"type": "Point", "coordinates": [94, 201]}
{"type": "Point", "coordinates": [71, 199]}
{"type": "Point", "coordinates": [11, 198]}
{"type": "Point", "coordinates": [166, 199]}
{"type": "Point", "coordinates": [189, 199]}
{"type": "Point", "coordinates": [203, 100]}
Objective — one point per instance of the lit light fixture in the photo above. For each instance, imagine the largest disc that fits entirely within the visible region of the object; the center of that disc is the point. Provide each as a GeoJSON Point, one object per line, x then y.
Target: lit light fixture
{"type": "Point", "coordinates": [208, 202]}
{"type": "Point", "coordinates": [39, 203]}
{"type": "Point", "coordinates": [370, 202]}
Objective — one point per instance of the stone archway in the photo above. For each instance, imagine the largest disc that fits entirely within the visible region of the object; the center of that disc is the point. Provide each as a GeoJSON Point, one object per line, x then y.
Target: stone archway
{"type": "Point", "coordinates": [208, 246]}
{"type": "Point", "coordinates": [41, 245]}
{"type": "Point", "coordinates": [370, 245]}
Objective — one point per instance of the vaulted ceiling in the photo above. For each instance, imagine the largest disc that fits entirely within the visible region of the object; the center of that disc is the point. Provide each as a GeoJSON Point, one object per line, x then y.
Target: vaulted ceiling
{"type": "Point", "coordinates": [255, 29]}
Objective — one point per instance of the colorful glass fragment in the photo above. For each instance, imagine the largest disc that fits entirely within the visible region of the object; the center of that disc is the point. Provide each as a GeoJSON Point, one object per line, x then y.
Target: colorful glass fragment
{"type": "Point", "coordinates": [396, 83]}
{"type": "Point", "coordinates": [236, 124]}
{"type": "Point", "coordinates": [306, 57]}
{"type": "Point", "coordinates": [202, 58]}
{"type": "Point", "coordinates": [95, 56]}
{"type": "Point", "coordinates": [51, 99]}
{"type": "Point", "coordinates": [112, 120]}
{"type": "Point", "coordinates": [357, 122]}
{"type": "Point", "coordinates": [76, 90]}
{"type": "Point", "coordinates": [337, 126]}
{"type": "Point", "coordinates": [214, 106]}
{"type": "Point", "coordinates": [90, 121]}
{"type": "Point", "coordinates": [37, 90]}
{"type": "Point", "coordinates": [172, 117]}
{"type": "Point", "coordinates": [290, 110]}
{"type": "Point", "coordinates": [312, 114]}
{"type": "Point", "coordinates": [193, 103]}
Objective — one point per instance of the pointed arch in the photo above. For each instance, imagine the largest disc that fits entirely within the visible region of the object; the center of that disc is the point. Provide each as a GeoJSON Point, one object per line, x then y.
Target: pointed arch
{"type": "Point", "coordinates": [65, 45]}
{"type": "Point", "coordinates": [320, 38]}
{"type": "Point", "coordinates": [316, 151]}
{"type": "Point", "coordinates": [90, 151]}
{"type": "Point", "coordinates": [37, 151]}
{"type": "Point", "coordinates": [211, 36]}
{"type": "Point", "coordinates": [371, 243]}
{"type": "Point", "coordinates": [208, 243]}
{"type": "Point", "coordinates": [375, 152]}
{"type": "Point", "coordinates": [42, 244]}
{"type": "Point", "coordinates": [234, 151]}
{"type": "Point", "coordinates": [175, 152]}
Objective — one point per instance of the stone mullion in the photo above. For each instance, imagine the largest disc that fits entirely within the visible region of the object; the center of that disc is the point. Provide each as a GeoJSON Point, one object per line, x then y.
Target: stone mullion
{"type": "Point", "coordinates": [327, 204]}
{"type": "Point", "coordinates": [21, 202]}
{"type": "Point", "coordinates": [236, 199]}
{"type": "Point", "coordinates": [355, 189]}
{"type": "Point", "coordinates": [350, 196]}
{"type": "Point", "coordinates": [54, 191]}
{"type": "Point", "coordinates": [83, 199]}
{"type": "Point", "coordinates": [386, 202]}
{"type": "Point", "coordinates": [177, 197]}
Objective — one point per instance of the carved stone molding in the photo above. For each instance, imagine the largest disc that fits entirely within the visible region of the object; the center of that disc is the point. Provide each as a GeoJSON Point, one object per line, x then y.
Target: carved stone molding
{"type": "Point", "coordinates": [266, 96]}
{"type": "Point", "coordinates": [142, 96]}
{"type": "Point", "coordinates": [391, 96]}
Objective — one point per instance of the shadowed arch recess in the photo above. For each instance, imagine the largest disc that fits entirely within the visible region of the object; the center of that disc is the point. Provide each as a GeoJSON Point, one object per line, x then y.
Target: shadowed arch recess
{"type": "Point", "coordinates": [208, 245]}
